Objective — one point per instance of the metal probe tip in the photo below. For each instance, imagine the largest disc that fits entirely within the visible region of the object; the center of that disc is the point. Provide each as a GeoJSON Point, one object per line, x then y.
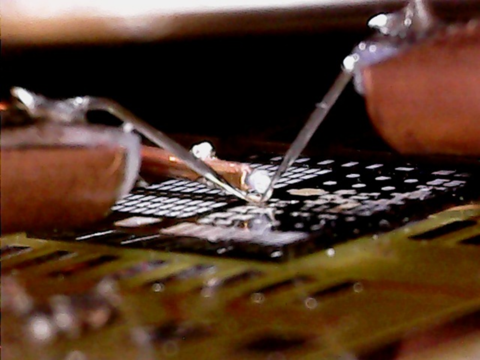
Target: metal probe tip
{"type": "Point", "coordinates": [312, 124]}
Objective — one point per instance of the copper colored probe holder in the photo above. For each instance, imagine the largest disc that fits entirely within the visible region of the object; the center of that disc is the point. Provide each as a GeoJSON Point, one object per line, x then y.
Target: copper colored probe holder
{"type": "Point", "coordinates": [158, 163]}
{"type": "Point", "coordinates": [426, 100]}
{"type": "Point", "coordinates": [61, 187]}
{"type": "Point", "coordinates": [63, 177]}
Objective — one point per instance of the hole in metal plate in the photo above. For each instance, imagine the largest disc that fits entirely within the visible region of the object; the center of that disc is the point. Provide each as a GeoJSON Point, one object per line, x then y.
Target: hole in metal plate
{"type": "Point", "coordinates": [337, 289]}
{"type": "Point", "coordinates": [443, 230]}
{"type": "Point", "coordinates": [276, 342]}
{"type": "Point", "coordinates": [137, 269]}
{"type": "Point", "coordinates": [242, 277]}
{"type": "Point", "coordinates": [230, 281]}
{"type": "Point", "coordinates": [174, 330]}
{"type": "Point", "coordinates": [39, 260]}
{"type": "Point", "coordinates": [83, 266]}
{"type": "Point", "coordinates": [11, 250]}
{"type": "Point", "coordinates": [474, 240]}
{"type": "Point", "coordinates": [282, 286]}
{"type": "Point", "coordinates": [189, 273]}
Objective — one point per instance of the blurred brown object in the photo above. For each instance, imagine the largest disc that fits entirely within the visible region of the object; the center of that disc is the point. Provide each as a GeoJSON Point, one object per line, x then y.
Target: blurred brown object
{"type": "Point", "coordinates": [63, 176]}
{"type": "Point", "coordinates": [48, 188]}
{"type": "Point", "coordinates": [426, 100]}
{"type": "Point", "coordinates": [46, 22]}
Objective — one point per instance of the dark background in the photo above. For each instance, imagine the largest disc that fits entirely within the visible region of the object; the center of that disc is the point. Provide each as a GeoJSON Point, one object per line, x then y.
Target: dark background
{"type": "Point", "coordinates": [246, 87]}
{"type": "Point", "coordinates": [248, 92]}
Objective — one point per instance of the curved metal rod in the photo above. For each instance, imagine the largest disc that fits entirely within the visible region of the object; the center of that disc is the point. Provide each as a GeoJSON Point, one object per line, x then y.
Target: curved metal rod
{"type": "Point", "coordinates": [162, 140]}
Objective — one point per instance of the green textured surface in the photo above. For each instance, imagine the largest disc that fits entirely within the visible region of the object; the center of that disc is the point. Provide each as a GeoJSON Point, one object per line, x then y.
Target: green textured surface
{"type": "Point", "coordinates": [392, 285]}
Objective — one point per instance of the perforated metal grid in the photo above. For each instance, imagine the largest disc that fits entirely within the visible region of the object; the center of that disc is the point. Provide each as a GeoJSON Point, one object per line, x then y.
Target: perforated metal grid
{"type": "Point", "coordinates": [157, 199]}
{"type": "Point", "coordinates": [148, 202]}
{"type": "Point", "coordinates": [317, 204]}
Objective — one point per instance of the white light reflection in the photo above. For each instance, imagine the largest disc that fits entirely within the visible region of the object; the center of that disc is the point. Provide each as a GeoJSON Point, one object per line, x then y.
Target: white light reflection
{"type": "Point", "coordinates": [379, 21]}
{"type": "Point", "coordinates": [170, 348]}
{"type": "Point", "coordinates": [42, 328]}
{"type": "Point", "coordinates": [257, 298]}
{"type": "Point", "coordinates": [26, 97]}
{"type": "Point", "coordinates": [158, 287]}
{"type": "Point", "coordinates": [350, 61]}
{"type": "Point", "coordinates": [203, 150]}
{"type": "Point", "coordinates": [311, 303]}
{"type": "Point", "coordinates": [115, 8]}
{"type": "Point", "coordinates": [358, 287]}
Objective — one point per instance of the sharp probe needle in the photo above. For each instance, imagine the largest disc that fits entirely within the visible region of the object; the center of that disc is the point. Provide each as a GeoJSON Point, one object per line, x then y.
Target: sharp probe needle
{"type": "Point", "coordinates": [162, 140]}
{"type": "Point", "coordinates": [312, 124]}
